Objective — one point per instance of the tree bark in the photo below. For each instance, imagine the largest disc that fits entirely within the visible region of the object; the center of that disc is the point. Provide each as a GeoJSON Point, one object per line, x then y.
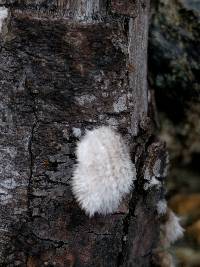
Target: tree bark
{"type": "Point", "coordinates": [68, 66]}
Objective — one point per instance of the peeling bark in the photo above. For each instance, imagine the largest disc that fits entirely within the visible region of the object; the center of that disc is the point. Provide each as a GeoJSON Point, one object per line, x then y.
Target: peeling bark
{"type": "Point", "coordinates": [68, 66]}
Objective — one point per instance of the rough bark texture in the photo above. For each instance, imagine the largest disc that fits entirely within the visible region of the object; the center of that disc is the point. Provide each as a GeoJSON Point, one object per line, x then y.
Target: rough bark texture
{"type": "Point", "coordinates": [68, 66]}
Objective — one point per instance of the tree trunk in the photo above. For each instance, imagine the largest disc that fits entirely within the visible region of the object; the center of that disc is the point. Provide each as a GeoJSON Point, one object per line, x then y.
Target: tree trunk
{"type": "Point", "coordinates": [68, 66]}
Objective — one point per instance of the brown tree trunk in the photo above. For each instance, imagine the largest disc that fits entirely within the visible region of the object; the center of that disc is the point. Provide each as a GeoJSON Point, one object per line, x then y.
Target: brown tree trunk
{"type": "Point", "coordinates": [67, 66]}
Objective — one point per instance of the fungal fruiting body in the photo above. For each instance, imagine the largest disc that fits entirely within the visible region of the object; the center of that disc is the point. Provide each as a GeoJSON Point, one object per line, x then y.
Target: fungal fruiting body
{"type": "Point", "coordinates": [104, 172]}
{"type": "Point", "coordinates": [172, 230]}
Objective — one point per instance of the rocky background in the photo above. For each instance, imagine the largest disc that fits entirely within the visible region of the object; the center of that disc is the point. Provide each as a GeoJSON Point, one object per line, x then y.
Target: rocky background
{"type": "Point", "coordinates": [174, 75]}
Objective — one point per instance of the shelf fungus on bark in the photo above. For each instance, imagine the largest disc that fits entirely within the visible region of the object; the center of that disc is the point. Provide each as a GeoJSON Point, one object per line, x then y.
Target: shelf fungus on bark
{"type": "Point", "coordinates": [104, 172]}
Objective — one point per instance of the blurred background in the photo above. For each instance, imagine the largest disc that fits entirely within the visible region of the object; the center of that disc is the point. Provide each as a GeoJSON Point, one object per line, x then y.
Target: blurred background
{"type": "Point", "coordinates": [174, 65]}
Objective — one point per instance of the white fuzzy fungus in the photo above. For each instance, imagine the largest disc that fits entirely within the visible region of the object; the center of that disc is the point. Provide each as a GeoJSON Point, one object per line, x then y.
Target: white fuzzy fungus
{"type": "Point", "coordinates": [172, 229]}
{"type": "Point", "coordinates": [104, 172]}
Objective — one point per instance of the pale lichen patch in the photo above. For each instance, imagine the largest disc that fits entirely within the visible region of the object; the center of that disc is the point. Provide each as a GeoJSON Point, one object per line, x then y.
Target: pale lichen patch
{"type": "Point", "coordinates": [85, 99]}
{"type": "Point", "coordinates": [10, 151]}
{"type": "Point", "coordinates": [3, 16]}
{"type": "Point", "coordinates": [76, 132]}
{"type": "Point", "coordinates": [5, 198]}
{"type": "Point", "coordinates": [120, 105]}
{"type": "Point", "coordinates": [8, 184]}
{"type": "Point", "coordinates": [5, 187]}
